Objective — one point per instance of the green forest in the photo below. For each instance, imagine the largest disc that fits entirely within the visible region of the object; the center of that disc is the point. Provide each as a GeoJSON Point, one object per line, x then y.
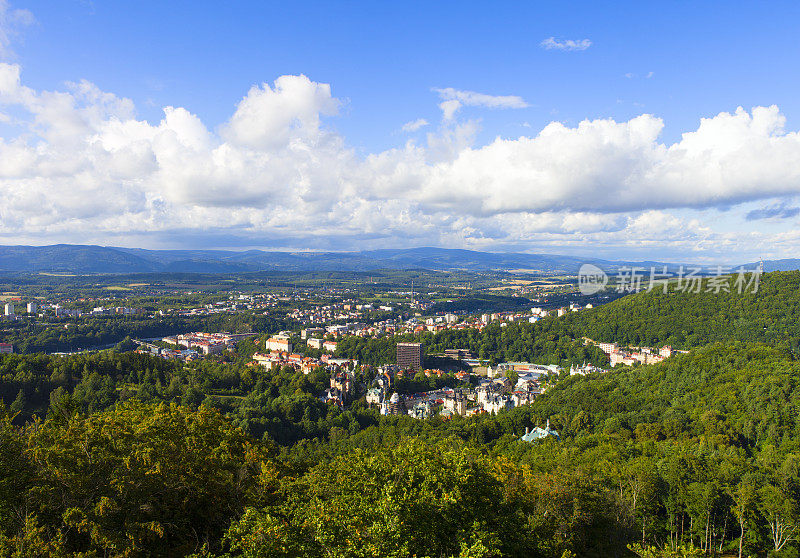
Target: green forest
{"type": "Point", "coordinates": [121, 454]}
{"type": "Point", "coordinates": [686, 320]}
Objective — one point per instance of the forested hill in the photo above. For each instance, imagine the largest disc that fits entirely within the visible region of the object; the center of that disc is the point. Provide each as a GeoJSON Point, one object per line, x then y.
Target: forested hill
{"type": "Point", "coordinates": [687, 320]}
{"type": "Point", "coordinates": [740, 395]}
{"type": "Point", "coordinates": [700, 450]}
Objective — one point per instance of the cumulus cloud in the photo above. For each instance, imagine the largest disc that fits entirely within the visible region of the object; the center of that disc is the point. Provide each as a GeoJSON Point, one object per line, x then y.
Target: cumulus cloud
{"type": "Point", "coordinates": [83, 167]}
{"type": "Point", "coordinates": [268, 117]}
{"type": "Point", "coordinates": [414, 125]}
{"type": "Point", "coordinates": [454, 99]}
{"type": "Point", "coordinates": [608, 166]}
{"type": "Point", "coordinates": [551, 43]}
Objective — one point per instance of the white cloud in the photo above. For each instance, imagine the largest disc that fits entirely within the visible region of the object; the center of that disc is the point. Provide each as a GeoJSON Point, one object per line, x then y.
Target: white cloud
{"type": "Point", "coordinates": [414, 125]}
{"type": "Point", "coordinates": [551, 43]}
{"type": "Point", "coordinates": [269, 117]}
{"type": "Point", "coordinates": [471, 98]}
{"type": "Point", "coordinates": [609, 166]}
{"type": "Point", "coordinates": [449, 108]}
{"type": "Point", "coordinates": [454, 99]}
{"type": "Point", "coordinates": [11, 23]}
{"type": "Point", "coordinates": [84, 168]}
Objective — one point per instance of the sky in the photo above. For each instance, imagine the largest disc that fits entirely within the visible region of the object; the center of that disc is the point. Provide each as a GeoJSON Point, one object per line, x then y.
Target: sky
{"type": "Point", "coordinates": [657, 130]}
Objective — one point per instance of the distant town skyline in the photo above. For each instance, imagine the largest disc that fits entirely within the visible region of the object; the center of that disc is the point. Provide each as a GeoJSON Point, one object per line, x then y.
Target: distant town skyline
{"type": "Point", "coordinates": [664, 132]}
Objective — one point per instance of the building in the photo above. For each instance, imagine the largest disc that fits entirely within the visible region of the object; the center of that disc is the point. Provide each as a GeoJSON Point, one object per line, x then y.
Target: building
{"type": "Point", "coordinates": [630, 358]}
{"type": "Point", "coordinates": [315, 343]}
{"type": "Point", "coordinates": [311, 331]}
{"type": "Point", "coordinates": [374, 396]}
{"type": "Point", "coordinates": [207, 347]}
{"type": "Point", "coordinates": [333, 395]}
{"type": "Point", "coordinates": [328, 359]}
{"type": "Point", "coordinates": [455, 404]}
{"type": "Point", "coordinates": [501, 385]}
{"type": "Point", "coordinates": [279, 343]}
{"type": "Point", "coordinates": [6, 348]}
{"type": "Point", "coordinates": [32, 308]}
{"type": "Point", "coordinates": [539, 433]}
{"type": "Point", "coordinates": [520, 398]}
{"type": "Point", "coordinates": [422, 410]}
{"type": "Point", "coordinates": [337, 329]}
{"type": "Point", "coordinates": [9, 308]}
{"type": "Point", "coordinates": [343, 382]}
{"type": "Point", "coordinates": [127, 311]}
{"type": "Point", "coordinates": [523, 368]}
{"type": "Point", "coordinates": [409, 355]}
{"type": "Point", "coordinates": [608, 348]}
{"type": "Point", "coordinates": [61, 311]}
{"type": "Point", "coordinates": [496, 403]}
{"type": "Point", "coordinates": [394, 406]}
{"type": "Point", "coordinates": [457, 354]}
{"type": "Point", "coordinates": [621, 358]}
{"type": "Point", "coordinates": [584, 370]}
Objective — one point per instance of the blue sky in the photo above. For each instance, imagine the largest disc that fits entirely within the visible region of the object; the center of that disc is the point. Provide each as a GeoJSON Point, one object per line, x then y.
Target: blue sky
{"type": "Point", "coordinates": [384, 57]}
{"type": "Point", "coordinates": [326, 163]}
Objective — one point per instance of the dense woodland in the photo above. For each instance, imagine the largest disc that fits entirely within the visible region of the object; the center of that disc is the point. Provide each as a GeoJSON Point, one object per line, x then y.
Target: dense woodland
{"type": "Point", "coordinates": [123, 454]}
{"type": "Point", "coordinates": [686, 320]}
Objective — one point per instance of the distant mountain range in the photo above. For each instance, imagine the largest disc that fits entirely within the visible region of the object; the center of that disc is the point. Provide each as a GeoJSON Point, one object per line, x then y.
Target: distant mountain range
{"type": "Point", "coordinates": [791, 264]}
{"type": "Point", "coordinates": [69, 258]}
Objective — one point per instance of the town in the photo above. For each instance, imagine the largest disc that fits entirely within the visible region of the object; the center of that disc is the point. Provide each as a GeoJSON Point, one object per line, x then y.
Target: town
{"type": "Point", "coordinates": [59, 319]}
{"type": "Point", "coordinates": [479, 388]}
